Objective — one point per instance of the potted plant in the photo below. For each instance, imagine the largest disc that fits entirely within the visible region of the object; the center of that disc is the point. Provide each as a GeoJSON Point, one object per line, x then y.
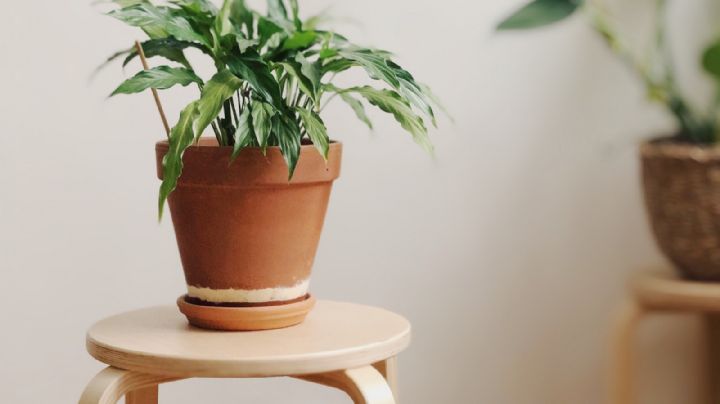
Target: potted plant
{"type": "Point", "coordinates": [681, 172]}
{"type": "Point", "coordinates": [248, 203]}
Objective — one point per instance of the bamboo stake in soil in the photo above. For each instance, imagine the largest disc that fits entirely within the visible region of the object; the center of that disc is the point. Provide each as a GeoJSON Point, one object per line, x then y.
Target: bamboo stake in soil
{"type": "Point", "coordinates": [141, 53]}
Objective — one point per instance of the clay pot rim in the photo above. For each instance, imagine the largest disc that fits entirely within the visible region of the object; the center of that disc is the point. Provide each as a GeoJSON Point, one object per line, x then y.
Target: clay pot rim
{"type": "Point", "coordinates": [669, 147]}
{"type": "Point", "coordinates": [252, 168]}
{"type": "Point", "coordinates": [207, 144]}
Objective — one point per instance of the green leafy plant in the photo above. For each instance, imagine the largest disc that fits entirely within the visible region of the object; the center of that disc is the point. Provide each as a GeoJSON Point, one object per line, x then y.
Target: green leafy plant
{"type": "Point", "coordinates": [274, 77]}
{"type": "Point", "coordinates": [657, 72]}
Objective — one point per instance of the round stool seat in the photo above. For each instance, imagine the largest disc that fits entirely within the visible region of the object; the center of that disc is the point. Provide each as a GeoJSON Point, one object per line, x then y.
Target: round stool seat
{"type": "Point", "coordinates": [334, 336]}
{"type": "Point", "coordinates": [670, 292]}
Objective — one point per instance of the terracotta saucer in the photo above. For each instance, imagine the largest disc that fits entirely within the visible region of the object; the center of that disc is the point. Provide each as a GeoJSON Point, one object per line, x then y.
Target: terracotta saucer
{"type": "Point", "coordinates": [246, 318]}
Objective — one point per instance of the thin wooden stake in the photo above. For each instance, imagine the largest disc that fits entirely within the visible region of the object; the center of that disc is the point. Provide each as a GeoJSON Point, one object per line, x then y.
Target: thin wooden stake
{"type": "Point", "coordinates": [141, 53]}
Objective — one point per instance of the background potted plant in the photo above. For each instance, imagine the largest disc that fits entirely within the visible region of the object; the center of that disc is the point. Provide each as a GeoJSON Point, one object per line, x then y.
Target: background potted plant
{"type": "Point", "coordinates": [248, 204]}
{"type": "Point", "coordinates": [681, 172]}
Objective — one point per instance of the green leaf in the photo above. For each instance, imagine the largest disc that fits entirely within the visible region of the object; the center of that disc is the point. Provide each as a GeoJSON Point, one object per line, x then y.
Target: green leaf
{"type": "Point", "coordinates": [234, 13]}
{"type": "Point", "coordinates": [338, 65]}
{"type": "Point", "coordinates": [374, 63]}
{"type": "Point", "coordinates": [393, 103]}
{"type": "Point", "coordinates": [169, 48]}
{"type": "Point", "coordinates": [160, 77]}
{"type": "Point", "coordinates": [277, 10]}
{"type": "Point", "coordinates": [262, 114]}
{"type": "Point", "coordinates": [201, 14]}
{"type": "Point", "coordinates": [181, 136]}
{"type": "Point", "coordinates": [288, 136]}
{"type": "Point", "coordinates": [311, 70]}
{"type": "Point", "coordinates": [243, 134]}
{"type": "Point", "coordinates": [112, 58]}
{"type": "Point", "coordinates": [256, 72]}
{"type": "Point", "coordinates": [326, 49]}
{"type": "Point", "coordinates": [335, 39]}
{"type": "Point", "coordinates": [539, 13]}
{"type": "Point", "coordinates": [294, 69]}
{"type": "Point", "coordinates": [245, 44]}
{"type": "Point", "coordinates": [223, 25]}
{"type": "Point", "coordinates": [413, 92]}
{"type": "Point", "coordinates": [197, 6]}
{"type": "Point", "coordinates": [275, 40]}
{"type": "Point", "coordinates": [296, 14]}
{"type": "Point", "coordinates": [358, 107]}
{"type": "Point", "coordinates": [218, 89]}
{"type": "Point", "coordinates": [144, 15]}
{"type": "Point", "coordinates": [266, 29]}
{"type": "Point", "coordinates": [300, 40]}
{"type": "Point", "coordinates": [181, 29]}
{"type": "Point", "coordinates": [435, 100]}
{"type": "Point", "coordinates": [711, 60]}
{"type": "Point", "coordinates": [240, 14]}
{"type": "Point", "coordinates": [315, 128]}
{"type": "Point", "coordinates": [295, 8]}
{"type": "Point", "coordinates": [159, 23]}
{"type": "Point", "coordinates": [327, 53]}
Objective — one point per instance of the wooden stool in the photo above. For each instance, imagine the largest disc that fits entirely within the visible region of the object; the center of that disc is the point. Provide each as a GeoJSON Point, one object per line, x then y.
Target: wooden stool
{"type": "Point", "coordinates": [347, 346]}
{"type": "Point", "coordinates": [658, 293]}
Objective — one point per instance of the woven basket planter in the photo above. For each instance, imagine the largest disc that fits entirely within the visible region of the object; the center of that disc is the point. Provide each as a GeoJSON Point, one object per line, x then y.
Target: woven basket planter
{"type": "Point", "coordinates": [682, 196]}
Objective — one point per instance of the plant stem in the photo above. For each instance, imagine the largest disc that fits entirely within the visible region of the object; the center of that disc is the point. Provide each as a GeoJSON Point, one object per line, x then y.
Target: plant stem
{"type": "Point", "coordinates": [218, 136]}
{"type": "Point", "coordinates": [234, 111]}
{"type": "Point", "coordinates": [158, 104]}
{"type": "Point", "coordinates": [298, 95]}
{"type": "Point", "coordinates": [659, 89]}
{"type": "Point", "coordinates": [328, 101]}
{"type": "Point", "coordinates": [228, 125]}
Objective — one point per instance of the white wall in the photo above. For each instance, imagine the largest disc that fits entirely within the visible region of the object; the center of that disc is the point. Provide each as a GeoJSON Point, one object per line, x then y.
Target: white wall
{"type": "Point", "coordinates": [509, 252]}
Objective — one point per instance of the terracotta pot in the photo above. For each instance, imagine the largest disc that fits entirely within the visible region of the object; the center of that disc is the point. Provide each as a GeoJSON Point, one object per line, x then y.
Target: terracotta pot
{"type": "Point", "coordinates": [247, 236]}
{"type": "Point", "coordinates": [682, 195]}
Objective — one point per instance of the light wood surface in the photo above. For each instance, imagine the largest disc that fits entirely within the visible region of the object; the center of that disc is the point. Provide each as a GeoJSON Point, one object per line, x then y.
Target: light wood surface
{"type": "Point", "coordinates": [335, 336]}
{"type": "Point", "coordinates": [660, 292]}
{"type": "Point", "coordinates": [111, 384]}
{"type": "Point", "coordinates": [364, 385]}
{"type": "Point", "coordinates": [389, 369]}
{"type": "Point", "coordinates": [622, 374]}
{"type": "Point", "coordinates": [346, 346]}
{"type": "Point", "coordinates": [147, 395]}
{"type": "Point", "coordinates": [669, 292]}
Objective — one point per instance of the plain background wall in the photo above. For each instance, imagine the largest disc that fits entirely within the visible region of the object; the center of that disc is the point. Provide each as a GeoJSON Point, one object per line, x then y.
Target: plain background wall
{"type": "Point", "coordinates": [508, 252]}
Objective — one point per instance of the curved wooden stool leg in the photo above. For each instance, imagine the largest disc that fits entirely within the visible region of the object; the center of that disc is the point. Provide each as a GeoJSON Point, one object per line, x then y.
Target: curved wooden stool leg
{"type": "Point", "coordinates": [623, 360]}
{"type": "Point", "coordinates": [389, 369]}
{"type": "Point", "coordinates": [364, 385]}
{"type": "Point", "coordinates": [112, 383]}
{"type": "Point", "coordinates": [712, 358]}
{"type": "Point", "coordinates": [148, 395]}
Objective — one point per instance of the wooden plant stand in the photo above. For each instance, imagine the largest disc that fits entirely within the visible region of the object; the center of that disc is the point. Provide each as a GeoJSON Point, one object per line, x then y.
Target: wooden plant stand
{"type": "Point", "coordinates": [346, 346]}
{"type": "Point", "coordinates": [657, 293]}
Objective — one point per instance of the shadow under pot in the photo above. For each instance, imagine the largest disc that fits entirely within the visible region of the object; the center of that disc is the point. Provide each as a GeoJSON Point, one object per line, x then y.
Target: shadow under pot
{"type": "Point", "coordinates": [682, 196]}
{"type": "Point", "coordinates": [247, 236]}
